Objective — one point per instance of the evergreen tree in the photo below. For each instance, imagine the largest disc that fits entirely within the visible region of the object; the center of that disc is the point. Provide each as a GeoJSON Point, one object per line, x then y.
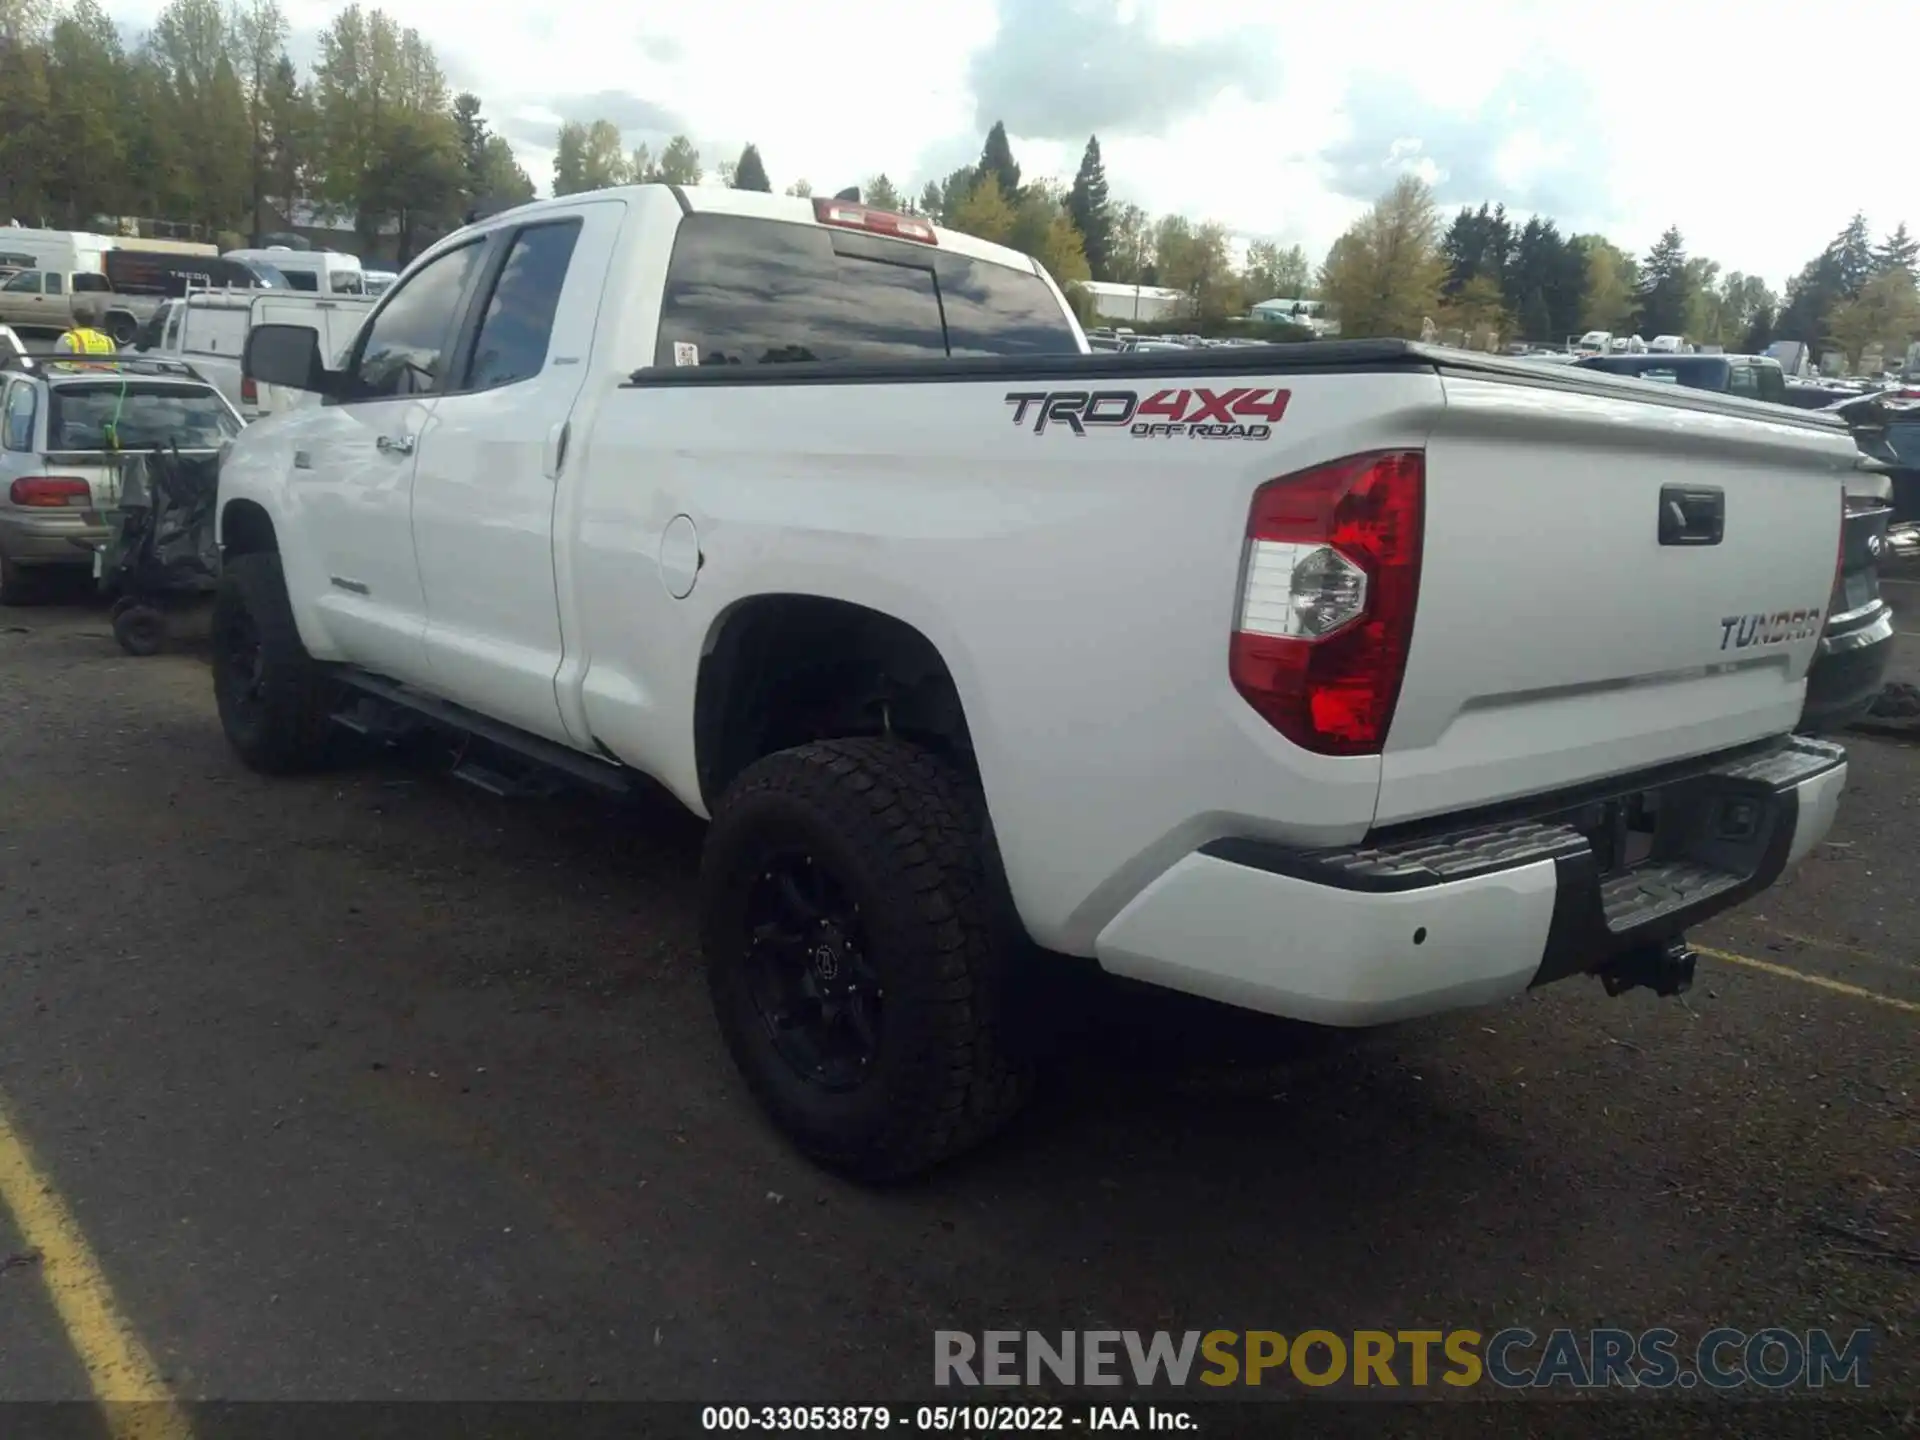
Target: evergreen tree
{"type": "Point", "coordinates": [882, 193]}
{"type": "Point", "coordinates": [680, 162]}
{"type": "Point", "coordinates": [996, 159]}
{"type": "Point", "coordinates": [1663, 294]}
{"type": "Point", "coordinates": [931, 203]}
{"type": "Point", "coordinates": [1477, 243]}
{"type": "Point", "coordinates": [750, 172]}
{"type": "Point", "coordinates": [1899, 251]}
{"type": "Point", "coordinates": [1543, 275]}
{"type": "Point", "coordinates": [1811, 297]}
{"type": "Point", "coordinates": [293, 143]}
{"type": "Point", "coordinates": [1091, 211]}
{"type": "Point", "coordinates": [1853, 254]}
{"type": "Point", "coordinates": [472, 131]}
{"type": "Point", "coordinates": [1536, 321]}
{"type": "Point", "coordinates": [1836, 275]}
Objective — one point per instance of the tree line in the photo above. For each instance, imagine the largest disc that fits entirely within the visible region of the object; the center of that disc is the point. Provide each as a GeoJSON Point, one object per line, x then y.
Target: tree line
{"type": "Point", "coordinates": [1483, 274]}
{"type": "Point", "coordinates": [206, 121]}
{"type": "Point", "coordinates": [1486, 274]}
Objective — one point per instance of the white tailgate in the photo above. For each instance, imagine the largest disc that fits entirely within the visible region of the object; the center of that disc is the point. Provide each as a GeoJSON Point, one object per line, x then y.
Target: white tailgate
{"type": "Point", "coordinates": [1557, 640]}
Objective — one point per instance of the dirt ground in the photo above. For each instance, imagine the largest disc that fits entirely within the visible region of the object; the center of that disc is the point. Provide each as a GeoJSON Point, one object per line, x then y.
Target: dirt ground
{"type": "Point", "coordinates": [371, 1086]}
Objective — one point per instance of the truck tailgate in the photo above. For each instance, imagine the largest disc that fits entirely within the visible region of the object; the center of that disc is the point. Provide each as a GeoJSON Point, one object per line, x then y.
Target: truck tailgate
{"type": "Point", "coordinates": [1608, 583]}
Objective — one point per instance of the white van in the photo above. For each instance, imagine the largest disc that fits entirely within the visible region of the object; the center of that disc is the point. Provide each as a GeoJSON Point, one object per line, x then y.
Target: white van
{"type": "Point", "coordinates": [68, 251]}
{"type": "Point", "coordinates": [1669, 345]}
{"type": "Point", "coordinates": [208, 330]}
{"type": "Point", "coordinates": [322, 272]}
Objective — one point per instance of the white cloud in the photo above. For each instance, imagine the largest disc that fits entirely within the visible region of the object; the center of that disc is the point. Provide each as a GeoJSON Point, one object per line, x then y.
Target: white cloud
{"type": "Point", "coordinates": [1626, 117]}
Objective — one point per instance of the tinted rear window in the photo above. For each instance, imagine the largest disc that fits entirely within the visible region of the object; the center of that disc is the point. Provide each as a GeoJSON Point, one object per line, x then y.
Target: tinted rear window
{"type": "Point", "coordinates": [764, 292]}
{"type": "Point", "coordinates": [992, 310]}
{"type": "Point", "coordinates": [80, 416]}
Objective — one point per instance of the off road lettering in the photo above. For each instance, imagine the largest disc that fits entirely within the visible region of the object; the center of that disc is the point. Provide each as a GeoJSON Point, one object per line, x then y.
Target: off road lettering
{"type": "Point", "coordinates": [1240, 413]}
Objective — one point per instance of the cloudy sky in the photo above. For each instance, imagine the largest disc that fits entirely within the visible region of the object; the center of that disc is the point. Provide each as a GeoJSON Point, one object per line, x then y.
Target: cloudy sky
{"type": "Point", "coordinates": [1752, 127]}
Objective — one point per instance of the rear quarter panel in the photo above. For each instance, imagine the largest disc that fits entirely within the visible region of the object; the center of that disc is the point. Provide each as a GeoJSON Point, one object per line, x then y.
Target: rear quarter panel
{"type": "Point", "coordinates": [1081, 588]}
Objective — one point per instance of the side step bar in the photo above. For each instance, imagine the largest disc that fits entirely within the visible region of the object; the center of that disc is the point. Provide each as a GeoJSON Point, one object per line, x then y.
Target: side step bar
{"type": "Point", "coordinates": [556, 760]}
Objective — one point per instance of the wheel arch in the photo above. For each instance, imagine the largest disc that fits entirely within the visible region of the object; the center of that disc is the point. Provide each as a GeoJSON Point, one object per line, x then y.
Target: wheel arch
{"type": "Point", "coordinates": [247, 529]}
{"type": "Point", "coordinates": [780, 669]}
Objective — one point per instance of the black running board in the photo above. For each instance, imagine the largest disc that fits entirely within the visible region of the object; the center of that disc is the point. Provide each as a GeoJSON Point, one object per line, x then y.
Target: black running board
{"type": "Point", "coordinates": [556, 760]}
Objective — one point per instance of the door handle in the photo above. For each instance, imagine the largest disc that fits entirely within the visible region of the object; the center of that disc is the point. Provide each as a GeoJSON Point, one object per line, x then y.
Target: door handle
{"type": "Point", "coordinates": [394, 444]}
{"type": "Point", "coordinates": [555, 455]}
{"type": "Point", "coordinates": [1692, 514]}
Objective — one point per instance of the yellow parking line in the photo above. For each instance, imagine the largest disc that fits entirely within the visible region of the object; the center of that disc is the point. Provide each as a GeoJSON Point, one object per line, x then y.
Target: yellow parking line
{"type": "Point", "coordinates": [1787, 972]}
{"type": "Point", "coordinates": [122, 1374]}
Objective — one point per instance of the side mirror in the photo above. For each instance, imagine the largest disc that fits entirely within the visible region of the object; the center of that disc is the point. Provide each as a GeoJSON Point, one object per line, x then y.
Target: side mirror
{"type": "Point", "coordinates": [287, 355]}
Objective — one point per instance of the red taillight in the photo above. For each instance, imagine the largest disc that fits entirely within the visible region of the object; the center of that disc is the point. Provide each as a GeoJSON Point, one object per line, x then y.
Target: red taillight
{"type": "Point", "coordinates": [850, 216]}
{"type": "Point", "coordinates": [50, 492]}
{"type": "Point", "coordinates": [1327, 600]}
{"type": "Point", "coordinates": [249, 392]}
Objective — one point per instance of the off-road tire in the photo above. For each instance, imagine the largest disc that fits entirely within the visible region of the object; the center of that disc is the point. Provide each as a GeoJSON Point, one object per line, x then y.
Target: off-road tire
{"type": "Point", "coordinates": [284, 725]}
{"type": "Point", "coordinates": [904, 833]}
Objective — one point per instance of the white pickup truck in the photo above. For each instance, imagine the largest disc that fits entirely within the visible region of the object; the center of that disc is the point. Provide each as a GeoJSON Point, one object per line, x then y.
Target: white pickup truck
{"type": "Point", "coordinates": [1344, 681]}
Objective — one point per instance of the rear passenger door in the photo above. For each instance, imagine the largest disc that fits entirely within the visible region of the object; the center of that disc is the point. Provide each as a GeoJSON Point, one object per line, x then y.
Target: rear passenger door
{"type": "Point", "coordinates": [491, 462]}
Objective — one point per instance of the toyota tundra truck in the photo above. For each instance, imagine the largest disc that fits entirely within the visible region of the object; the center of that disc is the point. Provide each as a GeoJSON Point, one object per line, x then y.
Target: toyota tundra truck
{"type": "Point", "coordinates": [1345, 681]}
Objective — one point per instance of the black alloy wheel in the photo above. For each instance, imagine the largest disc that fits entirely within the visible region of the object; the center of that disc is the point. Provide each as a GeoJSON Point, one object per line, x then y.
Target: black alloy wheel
{"type": "Point", "coordinates": [808, 972]}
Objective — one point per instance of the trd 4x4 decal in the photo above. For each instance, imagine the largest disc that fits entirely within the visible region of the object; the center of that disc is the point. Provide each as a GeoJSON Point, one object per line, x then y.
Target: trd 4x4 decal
{"type": "Point", "coordinates": [1238, 414]}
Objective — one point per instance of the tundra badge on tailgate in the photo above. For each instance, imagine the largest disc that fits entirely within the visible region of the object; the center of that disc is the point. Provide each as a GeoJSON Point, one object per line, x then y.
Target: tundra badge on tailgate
{"type": "Point", "coordinates": [1196, 414]}
{"type": "Point", "coordinates": [1741, 631]}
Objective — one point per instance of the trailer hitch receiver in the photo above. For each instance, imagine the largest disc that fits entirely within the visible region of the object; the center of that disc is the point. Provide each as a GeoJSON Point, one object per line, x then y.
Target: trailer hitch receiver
{"type": "Point", "coordinates": [1665, 968]}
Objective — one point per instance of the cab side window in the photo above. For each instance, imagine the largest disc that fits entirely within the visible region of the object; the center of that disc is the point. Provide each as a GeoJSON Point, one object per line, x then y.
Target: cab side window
{"type": "Point", "coordinates": [511, 345]}
{"type": "Point", "coordinates": [56, 283]}
{"type": "Point", "coordinates": [19, 417]}
{"type": "Point", "coordinates": [27, 282]}
{"type": "Point", "coordinates": [405, 349]}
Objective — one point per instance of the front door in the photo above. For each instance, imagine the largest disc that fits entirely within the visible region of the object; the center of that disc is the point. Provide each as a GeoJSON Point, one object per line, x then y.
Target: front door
{"type": "Point", "coordinates": [23, 302]}
{"type": "Point", "coordinates": [353, 462]}
{"type": "Point", "coordinates": [499, 441]}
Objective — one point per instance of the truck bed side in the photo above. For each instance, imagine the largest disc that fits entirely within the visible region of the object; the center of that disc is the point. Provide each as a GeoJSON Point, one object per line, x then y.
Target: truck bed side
{"type": "Point", "coordinates": [1082, 582]}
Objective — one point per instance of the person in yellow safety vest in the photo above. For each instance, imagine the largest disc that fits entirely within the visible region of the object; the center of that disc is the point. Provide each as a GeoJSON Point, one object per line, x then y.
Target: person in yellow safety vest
{"type": "Point", "coordinates": [83, 338]}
